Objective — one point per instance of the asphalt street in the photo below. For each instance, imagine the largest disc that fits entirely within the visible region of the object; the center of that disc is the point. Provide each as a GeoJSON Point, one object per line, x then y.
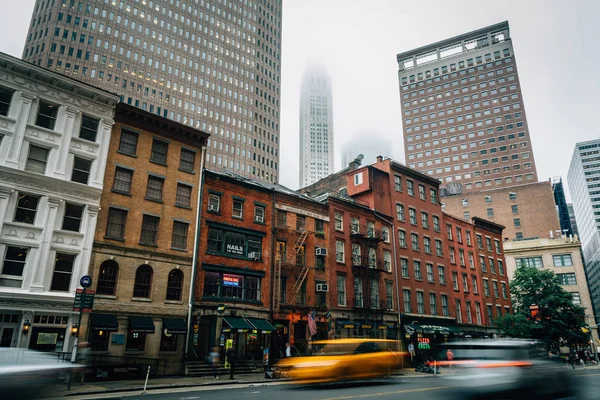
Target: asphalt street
{"type": "Point", "coordinates": [419, 388]}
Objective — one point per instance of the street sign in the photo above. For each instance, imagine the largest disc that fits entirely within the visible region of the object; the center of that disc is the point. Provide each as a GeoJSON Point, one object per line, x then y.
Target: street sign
{"type": "Point", "coordinates": [221, 308]}
{"type": "Point", "coordinates": [88, 300]}
{"type": "Point", "coordinates": [86, 281]}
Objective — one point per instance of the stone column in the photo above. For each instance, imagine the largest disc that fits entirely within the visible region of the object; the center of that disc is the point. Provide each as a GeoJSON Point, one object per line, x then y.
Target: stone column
{"type": "Point", "coordinates": [89, 229]}
{"type": "Point", "coordinates": [67, 127]}
{"type": "Point", "coordinates": [43, 261]}
{"type": "Point", "coordinates": [5, 194]}
{"type": "Point", "coordinates": [22, 115]}
{"type": "Point", "coordinates": [103, 139]}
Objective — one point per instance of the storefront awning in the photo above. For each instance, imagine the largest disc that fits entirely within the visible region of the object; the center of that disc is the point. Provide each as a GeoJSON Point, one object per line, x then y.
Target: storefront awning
{"type": "Point", "coordinates": [140, 324]}
{"type": "Point", "coordinates": [175, 326]}
{"type": "Point", "coordinates": [261, 324]}
{"type": "Point", "coordinates": [430, 329]}
{"type": "Point", "coordinates": [237, 323]}
{"type": "Point", "coordinates": [344, 323]}
{"type": "Point", "coordinates": [104, 322]}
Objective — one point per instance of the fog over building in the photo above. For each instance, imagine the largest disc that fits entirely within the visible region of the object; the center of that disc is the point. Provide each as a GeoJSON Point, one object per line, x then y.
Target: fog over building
{"type": "Point", "coordinates": [316, 126]}
{"type": "Point", "coordinates": [369, 145]}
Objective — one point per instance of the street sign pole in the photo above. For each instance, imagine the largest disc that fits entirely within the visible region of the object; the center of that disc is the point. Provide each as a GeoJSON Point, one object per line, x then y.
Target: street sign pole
{"type": "Point", "coordinates": [85, 281]}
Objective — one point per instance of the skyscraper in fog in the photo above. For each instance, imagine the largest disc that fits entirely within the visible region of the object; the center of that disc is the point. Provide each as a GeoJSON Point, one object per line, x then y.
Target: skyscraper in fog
{"type": "Point", "coordinates": [316, 126]}
{"type": "Point", "coordinates": [214, 65]}
{"type": "Point", "coordinates": [368, 144]}
{"type": "Point", "coordinates": [463, 114]}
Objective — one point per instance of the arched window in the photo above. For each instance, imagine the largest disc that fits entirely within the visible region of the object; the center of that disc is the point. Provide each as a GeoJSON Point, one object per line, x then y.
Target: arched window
{"type": "Point", "coordinates": [174, 285]}
{"type": "Point", "coordinates": [107, 278]}
{"type": "Point", "coordinates": [143, 281]}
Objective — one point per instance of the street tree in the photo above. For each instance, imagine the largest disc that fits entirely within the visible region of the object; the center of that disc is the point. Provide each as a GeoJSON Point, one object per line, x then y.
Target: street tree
{"type": "Point", "coordinates": [556, 320]}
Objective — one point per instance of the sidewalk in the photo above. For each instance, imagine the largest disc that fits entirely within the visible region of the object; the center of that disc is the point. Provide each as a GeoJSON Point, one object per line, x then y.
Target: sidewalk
{"type": "Point", "coordinates": [180, 382]}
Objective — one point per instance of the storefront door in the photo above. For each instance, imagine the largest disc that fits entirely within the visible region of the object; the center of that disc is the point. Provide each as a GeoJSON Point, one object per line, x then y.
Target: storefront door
{"type": "Point", "coordinates": [8, 337]}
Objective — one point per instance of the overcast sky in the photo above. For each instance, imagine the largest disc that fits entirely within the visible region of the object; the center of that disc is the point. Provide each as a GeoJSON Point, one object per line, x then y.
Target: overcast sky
{"type": "Point", "coordinates": [556, 48]}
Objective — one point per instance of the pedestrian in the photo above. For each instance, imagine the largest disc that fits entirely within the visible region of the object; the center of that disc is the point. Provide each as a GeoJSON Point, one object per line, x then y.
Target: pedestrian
{"type": "Point", "coordinates": [232, 359]}
{"type": "Point", "coordinates": [411, 351]}
{"type": "Point", "coordinates": [450, 357]}
{"type": "Point", "coordinates": [83, 355]}
{"type": "Point", "coordinates": [288, 350]}
{"type": "Point", "coordinates": [213, 358]}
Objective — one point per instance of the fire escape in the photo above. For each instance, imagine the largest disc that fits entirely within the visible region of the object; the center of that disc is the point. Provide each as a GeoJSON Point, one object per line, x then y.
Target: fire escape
{"type": "Point", "coordinates": [281, 261]}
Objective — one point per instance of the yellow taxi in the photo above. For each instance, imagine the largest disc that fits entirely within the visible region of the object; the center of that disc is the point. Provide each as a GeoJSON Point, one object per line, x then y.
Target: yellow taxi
{"type": "Point", "coordinates": [344, 359]}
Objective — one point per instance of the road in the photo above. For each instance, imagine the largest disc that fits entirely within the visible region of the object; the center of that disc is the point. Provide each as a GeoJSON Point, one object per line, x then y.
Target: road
{"type": "Point", "coordinates": [414, 388]}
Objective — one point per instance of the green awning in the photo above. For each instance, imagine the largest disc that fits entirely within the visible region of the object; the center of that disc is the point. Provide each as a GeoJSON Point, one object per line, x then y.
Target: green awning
{"type": "Point", "coordinates": [175, 326]}
{"type": "Point", "coordinates": [104, 322]}
{"type": "Point", "coordinates": [347, 324]}
{"type": "Point", "coordinates": [429, 328]}
{"type": "Point", "coordinates": [140, 324]}
{"type": "Point", "coordinates": [261, 324]}
{"type": "Point", "coordinates": [237, 323]}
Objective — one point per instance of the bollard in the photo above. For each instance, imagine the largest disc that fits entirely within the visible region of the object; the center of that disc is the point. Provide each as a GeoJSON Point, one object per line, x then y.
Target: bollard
{"type": "Point", "coordinates": [146, 383]}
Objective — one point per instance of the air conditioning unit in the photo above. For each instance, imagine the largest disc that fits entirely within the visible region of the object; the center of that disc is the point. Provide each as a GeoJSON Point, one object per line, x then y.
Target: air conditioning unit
{"type": "Point", "coordinates": [213, 207]}
{"type": "Point", "coordinates": [322, 287]}
{"type": "Point", "coordinates": [319, 251]}
{"type": "Point", "coordinates": [254, 255]}
{"type": "Point", "coordinates": [259, 218]}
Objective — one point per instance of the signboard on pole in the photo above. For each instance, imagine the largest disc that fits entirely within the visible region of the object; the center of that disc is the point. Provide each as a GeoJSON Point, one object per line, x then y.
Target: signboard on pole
{"type": "Point", "coordinates": [88, 300]}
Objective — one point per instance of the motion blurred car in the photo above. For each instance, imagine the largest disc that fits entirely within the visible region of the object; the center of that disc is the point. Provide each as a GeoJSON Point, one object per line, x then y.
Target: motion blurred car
{"type": "Point", "coordinates": [343, 359]}
{"type": "Point", "coordinates": [28, 374]}
{"type": "Point", "coordinates": [507, 369]}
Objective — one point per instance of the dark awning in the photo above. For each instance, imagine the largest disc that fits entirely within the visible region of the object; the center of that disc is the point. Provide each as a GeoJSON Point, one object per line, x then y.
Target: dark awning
{"type": "Point", "coordinates": [430, 328]}
{"type": "Point", "coordinates": [139, 324]}
{"type": "Point", "coordinates": [175, 326]}
{"type": "Point", "coordinates": [104, 322]}
{"type": "Point", "coordinates": [261, 324]}
{"type": "Point", "coordinates": [346, 323]}
{"type": "Point", "coordinates": [237, 323]}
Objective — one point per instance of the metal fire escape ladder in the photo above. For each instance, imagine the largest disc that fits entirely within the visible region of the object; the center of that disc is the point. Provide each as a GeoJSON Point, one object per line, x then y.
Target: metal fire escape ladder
{"type": "Point", "coordinates": [304, 272]}
{"type": "Point", "coordinates": [277, 294]}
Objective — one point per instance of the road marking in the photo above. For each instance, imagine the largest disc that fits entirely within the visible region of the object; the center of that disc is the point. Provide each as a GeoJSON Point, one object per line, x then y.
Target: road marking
{"type": "Point", "coordinates": [586, 374]}
{"type": "Point", "coordinates": [254, 392]}
{"type": "Point", "coordinates": [388, 393]}
{"type": "Point", "coordinates": [190, 398]}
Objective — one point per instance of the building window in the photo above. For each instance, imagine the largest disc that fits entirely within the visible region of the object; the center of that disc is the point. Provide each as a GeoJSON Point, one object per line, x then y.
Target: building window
{"type": "Point", "coordinates": [37, 159]}
{"type": "Point", "coordinates": [512, 196]}
{"type": "Point", "coordinates": [320, 227]}
{"type": "Point", "coordinates": [488, 243]}
{"type": "Point", "coordinates": [282, 218]}
{"type": "Point", "coordinates": [358, 179]}
{"type": "Point", "coordinates": [465, 202]}
{"type": "Point", "coordinates": [115, 226]}
{"type": "Point", "coordinates": [497, 244]}
{"type": "Point", "coordinates": [89, 128]}
{"type": "Point", "coordinates": [46, 116]}
{"type": "Point", "coordinates": [576, 298]}
{"type": "Point", "coordinates": [180, 234]}
{"type": "Point", "coordinates": [400, 212]}
{"type": "Point", "coordinates": [415, 241]}
{"type": "Point", "coordinates": [187, 160]}
{"type": "Point", "coordinates": [479, 241]}
{"type": "Point", "coordinates": [387, 261]}
{"type": "Point", "coordinates": [486, 287]}
{"type": "Point", "coordinates": [300, 223]}
{"type": "Point", "coordinates": [385, 233]}
{"type": "Point", "coordinates": [13, 266]}
{"type": "Point", "coordinates": [468, 234]}
{"type": "Point", "coordinates": [433, 303]}
{"type": "Point", "coordinates": [519, 235]}
{"type": "Point", "coordinates": [427, 245]}
{"type": "Point", "coordinates": [474, 284]}
{"type": "Point", "coordinates": [168, 343]}
{"type": "Point", "coordinates": [422, 194]}
{"type": "Point", "coordinates": [159, 151]}
{"type": "Point", "coordinates": [174, 285]}
{"type": "Point", "coordinates": [401, 238]}
{"type": "Point", "coordinates": [149, 230]}
{"type": "Point", "coordinates": [72, 218]}
{"type": "Point", "coordinates": [107, 278]}
{"type": "Point", "coordinates": [438, 248]}
{"type": "Point", "coordinates": [455, 280]}
{"type": "Point", "coordinates": [410, 187]}
{"type": "Point", "coordinates": [136, 341]}
{"type": "Point", "coordinates": [504, 291]}
{"type": "Point", "coordinates": [466, 215]}
{"type": "Point", "coordinates": [452, 255]}
{"type": "Point", "coordinates": [449, 231]}
{"type": "Point", "coordinates": [259, 214]}
{"type": "Point", "coordinates": [339, 251]}
{"type": "Point", "coordinates": [441, 275]}
{"type": "Point", "coordinates": [404, 268]}
{"type": "Point", "coordinates": [26, 208]}
{"type": "Point", "coordinates": [529, 262]}
{"type": "Point", "coordinates": [430, 277]}
{"type": "Point", "coordinates": [515, 208]}
{"type": "Point", "coordinates": [143, 282]}
{"type": "Point", "coordinates": [183, 198]}
{"type": "Point", "coordinates": [154, 189]}
{"type": "Point", "coordinates": [214, 203]}
{"type": "Point", "coordinates": [358, 293]}
{"type": "Point", "coordinates": [567, 279]}
{"type": "Point", "coordinates": [420, 303]}
{"type": "Point", "coordinates": [341, 289]}
{"type": "Point", "coordinates": [128, 142]}
{"type": "Point", "coordinates": [517, 222]}
{"type": "Point", "coordinates": [459, 316]}
{"type": "Point", "coordinates": [339, 221]}
{"type": "Point", "coordinates": [81, 170]}
{"type": "Point", "coordinates": [425, 220]}
{"type": "Point", "coordinates": [123, 179]}
{"type": "Point", "coordinates": [389, 295]}
{"type": "Point", "coordinates": [436, 223]}
{"type": "Point", "coordinates": [397, 183]}
{"type": "Point", "coordinates": [406, 297]}
{"type": "Point", "coordinates": [433, 196]}
{"type": "Point", "coordinates": [5, 100]}
{"type": "Point", "coordinates": [237, 209]}
{"type": "Point", "coordinates": [412, 216]}
{"type": "Point", "coordinates": [63, 269]}
{"type": "Point", "coordinates": [490, 212]}
{"type": "Point", "coordinates": [562, 260]}
{"type": "Point", "coordinates": [417, 269]}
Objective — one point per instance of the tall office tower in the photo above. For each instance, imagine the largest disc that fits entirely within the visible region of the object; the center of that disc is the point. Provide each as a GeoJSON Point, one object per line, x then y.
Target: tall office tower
{"type": "Point", "coordinates": [463, 113]}
{"type": "Point", "coordinates": [316, 126]}
{"type": "Point", "coordinates": [369, 145]}
{"type": "Point", "coordinates": [211, 64]}
{"type": "Point", "coordinates": [572, 218]}
{"type": "Point", "coordinates": [561, 206]}
{"type": "Point", "coordinates": [584, 185]}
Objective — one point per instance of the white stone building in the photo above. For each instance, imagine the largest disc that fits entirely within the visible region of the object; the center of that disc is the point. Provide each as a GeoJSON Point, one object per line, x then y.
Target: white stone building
{"type": "Point", "coordinates": [54, 138]}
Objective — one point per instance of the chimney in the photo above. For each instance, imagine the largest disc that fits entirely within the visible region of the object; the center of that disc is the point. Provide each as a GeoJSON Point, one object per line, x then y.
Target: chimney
{"type": "Point", "coordinates": [379, 159]}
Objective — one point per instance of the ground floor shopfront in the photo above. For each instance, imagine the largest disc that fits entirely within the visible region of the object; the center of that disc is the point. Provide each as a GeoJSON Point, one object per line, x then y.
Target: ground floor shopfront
{"type": "Point", "coordinates": [380, 325]}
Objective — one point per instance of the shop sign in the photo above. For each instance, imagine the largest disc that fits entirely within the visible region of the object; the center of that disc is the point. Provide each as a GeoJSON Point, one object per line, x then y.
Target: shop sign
{"type": "Point", "coordinates": [251, 336]}
{"type": "Point", "coordinates": [231, 280]}
{"type": "Point", "coordinates": [424, 343]}
{"type": "Point", "coordinates": [349, 326]}
{"type": "Point", "coordinates": [365, 326]}
{"type": "Point", "coordinates": [234, 249]}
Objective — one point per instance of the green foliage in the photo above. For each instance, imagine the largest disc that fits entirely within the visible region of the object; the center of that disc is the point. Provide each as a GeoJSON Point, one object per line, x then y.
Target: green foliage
{"type": "Point", "coordinates": [559, 321]}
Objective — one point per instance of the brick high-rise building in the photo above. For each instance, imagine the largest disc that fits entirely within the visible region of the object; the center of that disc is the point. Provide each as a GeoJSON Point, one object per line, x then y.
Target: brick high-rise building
{"type": "Point", "coordinates": [212, 65]}
{"type": "Point", "coordinates": [464, 118]}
